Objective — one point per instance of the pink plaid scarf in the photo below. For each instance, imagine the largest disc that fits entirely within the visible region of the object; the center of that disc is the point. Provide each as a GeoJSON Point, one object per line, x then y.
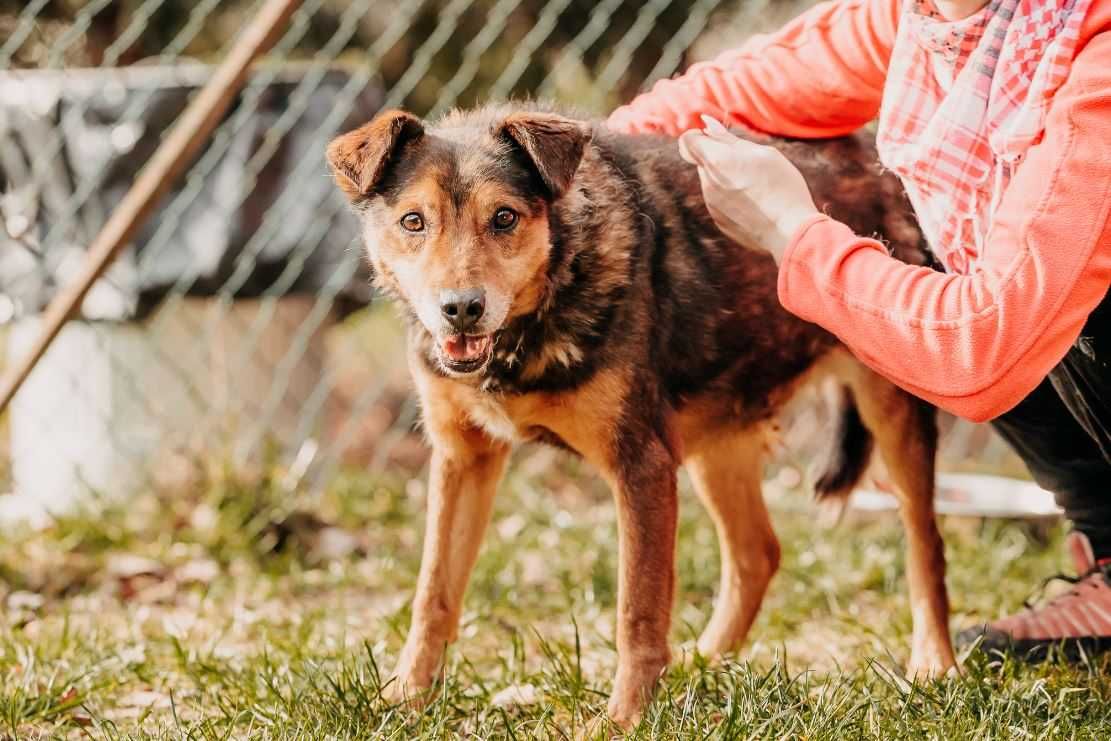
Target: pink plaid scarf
{"type": "Point", "coordinates": [964, 101]}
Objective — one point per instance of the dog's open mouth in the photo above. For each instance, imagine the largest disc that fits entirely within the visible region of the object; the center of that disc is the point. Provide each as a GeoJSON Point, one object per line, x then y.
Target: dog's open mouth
{"type": "Point", "coordinates": [463, 353]}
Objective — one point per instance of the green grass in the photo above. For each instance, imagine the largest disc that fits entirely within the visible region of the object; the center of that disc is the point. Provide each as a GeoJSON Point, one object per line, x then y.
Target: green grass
{"type": "Point", "coordinates": [240, 610]}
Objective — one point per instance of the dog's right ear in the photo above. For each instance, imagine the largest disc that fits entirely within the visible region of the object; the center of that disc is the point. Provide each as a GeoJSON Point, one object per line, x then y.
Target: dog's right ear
{"type": "Point", "coordinates": [359, 159]}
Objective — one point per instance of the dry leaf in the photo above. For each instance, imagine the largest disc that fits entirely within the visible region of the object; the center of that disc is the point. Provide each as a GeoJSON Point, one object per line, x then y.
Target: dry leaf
{"type": "Point", "coordinates": [24, 601]}
{"type": "Point", "coordinates": [515, 695]}
{"type": "Point", "coordinates": [201, 571]}
{"type": "Point", "coordinates": [145, 699]}
{"type": "Point", "coordinates": [333, 543]}
{"type": "Point", "coordinates": [127, 565]}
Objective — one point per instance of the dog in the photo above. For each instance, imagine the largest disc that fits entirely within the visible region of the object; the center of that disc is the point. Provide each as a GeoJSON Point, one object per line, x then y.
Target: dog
{"type": "Point", "coordinates": [565, 284]}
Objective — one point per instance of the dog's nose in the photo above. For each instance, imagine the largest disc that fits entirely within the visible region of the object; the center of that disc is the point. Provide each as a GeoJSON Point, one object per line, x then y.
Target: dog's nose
{"type": "Point", "coordinates": [462, 309]}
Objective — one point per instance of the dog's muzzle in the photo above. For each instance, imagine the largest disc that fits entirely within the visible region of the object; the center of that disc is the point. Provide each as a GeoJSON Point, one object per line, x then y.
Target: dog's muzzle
{"type": "Point", "coordinates": [464, 350]}
{"type": "Point", "coordinates": [462, 310]}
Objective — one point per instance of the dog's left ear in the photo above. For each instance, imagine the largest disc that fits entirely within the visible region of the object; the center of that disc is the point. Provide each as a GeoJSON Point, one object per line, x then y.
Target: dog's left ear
{"type": "Point", "coordinates": [553, 144]}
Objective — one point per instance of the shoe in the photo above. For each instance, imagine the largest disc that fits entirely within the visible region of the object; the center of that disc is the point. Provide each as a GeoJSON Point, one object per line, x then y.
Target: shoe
{"type": "Point", "coordinates": [1073, 625]}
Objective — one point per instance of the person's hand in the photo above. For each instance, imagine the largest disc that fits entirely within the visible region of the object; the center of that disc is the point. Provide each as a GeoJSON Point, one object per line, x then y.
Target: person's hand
{"type": "Point", "coordinates": [754, 193]}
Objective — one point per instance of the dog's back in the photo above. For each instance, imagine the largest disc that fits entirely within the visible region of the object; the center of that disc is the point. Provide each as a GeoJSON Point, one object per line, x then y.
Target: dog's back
{"type": "Point", "coordinates": [708, 306]}
{"type": "Point", "coordinates": [719, 337]}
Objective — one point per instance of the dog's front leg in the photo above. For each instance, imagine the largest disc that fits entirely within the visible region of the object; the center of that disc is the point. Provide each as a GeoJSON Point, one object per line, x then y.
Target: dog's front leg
{"type": "Point", "coordinates": [466, 467]}
{"type": "Point", "coordinates": [643, 482]}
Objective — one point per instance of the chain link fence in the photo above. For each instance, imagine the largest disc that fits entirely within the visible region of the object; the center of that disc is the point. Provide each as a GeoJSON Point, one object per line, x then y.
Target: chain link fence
{"type": "Point", "coordinates": [239, 326]}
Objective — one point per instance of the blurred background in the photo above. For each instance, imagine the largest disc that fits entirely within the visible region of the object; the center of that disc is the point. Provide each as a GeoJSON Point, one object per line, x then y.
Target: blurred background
{"type": "Point", "coordinates": [216, 470]}
{"type": "Point", "coordinates": [239, 332]}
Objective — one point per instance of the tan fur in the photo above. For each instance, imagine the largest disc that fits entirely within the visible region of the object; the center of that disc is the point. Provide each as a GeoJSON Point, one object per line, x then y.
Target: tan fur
{"type": "Point", "coordinates": [726, 471]}
{"type": "Point", "coordinates": [465, 470]}
{"type": "Point", "coordinates": [883, 408]}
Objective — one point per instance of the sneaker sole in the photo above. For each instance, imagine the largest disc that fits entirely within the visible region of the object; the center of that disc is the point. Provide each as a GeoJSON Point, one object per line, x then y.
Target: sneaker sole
{"type": "Point", "coordinates": [1034, 650]}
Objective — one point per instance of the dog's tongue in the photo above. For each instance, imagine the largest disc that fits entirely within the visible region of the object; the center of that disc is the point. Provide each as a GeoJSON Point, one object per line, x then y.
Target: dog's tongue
{"type": "Point", "coordinates": [464, 347]}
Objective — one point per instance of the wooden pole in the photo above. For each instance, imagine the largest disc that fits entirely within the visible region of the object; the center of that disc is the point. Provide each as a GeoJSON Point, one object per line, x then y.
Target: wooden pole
{"type": "Point", "coordinates": [193, 127]}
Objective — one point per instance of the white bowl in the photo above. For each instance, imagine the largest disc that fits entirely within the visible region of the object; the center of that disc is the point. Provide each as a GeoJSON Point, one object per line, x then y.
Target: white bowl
{"type": "Point", "coordinates": [973, 495]}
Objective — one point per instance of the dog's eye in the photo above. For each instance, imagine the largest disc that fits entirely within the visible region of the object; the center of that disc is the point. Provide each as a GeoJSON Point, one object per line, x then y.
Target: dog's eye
{"type": "Point", "coordinates": [504, 219]}
{"type": "Point", "coordinates": [412, 222]}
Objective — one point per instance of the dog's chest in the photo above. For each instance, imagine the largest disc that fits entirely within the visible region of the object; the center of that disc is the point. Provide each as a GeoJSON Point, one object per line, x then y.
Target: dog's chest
{"type": "Point", "coordinates": [487, 411]}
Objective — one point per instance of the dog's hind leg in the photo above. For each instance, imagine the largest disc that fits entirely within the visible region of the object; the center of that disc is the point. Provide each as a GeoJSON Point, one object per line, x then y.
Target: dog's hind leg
{"type": "Point", "coordinates": [726, 472]}
{"type": "Point", "coordinates": [905, 430]}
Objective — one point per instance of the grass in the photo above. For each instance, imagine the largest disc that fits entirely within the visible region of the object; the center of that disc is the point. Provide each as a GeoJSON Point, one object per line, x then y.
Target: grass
{"type": "Point", "coordinates": [239, 609]}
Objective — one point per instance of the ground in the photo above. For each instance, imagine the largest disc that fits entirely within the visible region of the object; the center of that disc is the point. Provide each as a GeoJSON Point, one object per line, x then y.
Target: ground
{"type": "Point", "coordinates": [244, 608]}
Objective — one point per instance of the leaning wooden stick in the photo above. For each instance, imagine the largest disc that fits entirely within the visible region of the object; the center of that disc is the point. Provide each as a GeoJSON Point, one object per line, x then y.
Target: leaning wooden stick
{"type": "Point", "coordinates": [176, 151]}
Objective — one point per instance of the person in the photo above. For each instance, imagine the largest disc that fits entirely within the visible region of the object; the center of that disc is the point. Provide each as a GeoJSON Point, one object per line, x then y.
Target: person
{"type": "Point", "coordinates": [997, 118]}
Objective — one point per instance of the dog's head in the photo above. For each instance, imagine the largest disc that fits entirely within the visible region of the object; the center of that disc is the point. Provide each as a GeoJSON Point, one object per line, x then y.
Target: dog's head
{"type": "Point", "coordinates": [455, 217]}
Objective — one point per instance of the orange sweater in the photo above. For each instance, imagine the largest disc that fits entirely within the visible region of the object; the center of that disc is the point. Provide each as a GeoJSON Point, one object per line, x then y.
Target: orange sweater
{"type": "Point", "coordinates": [973, 344]}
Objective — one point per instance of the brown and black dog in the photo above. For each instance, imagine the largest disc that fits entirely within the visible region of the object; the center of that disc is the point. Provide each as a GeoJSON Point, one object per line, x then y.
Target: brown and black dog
{"type": "Point", "coordinates": [567, 285]}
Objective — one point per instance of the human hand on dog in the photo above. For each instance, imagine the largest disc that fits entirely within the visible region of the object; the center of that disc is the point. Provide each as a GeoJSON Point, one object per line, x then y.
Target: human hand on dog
{"type": "Point", "coordinates": [754, 193]}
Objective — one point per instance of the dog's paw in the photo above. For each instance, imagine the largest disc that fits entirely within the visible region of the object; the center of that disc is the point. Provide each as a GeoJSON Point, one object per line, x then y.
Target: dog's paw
{"type": "Point", "coordinates": [931, 665]}
{"type": "Point", "coordinates": [716, 641]}
{"type": "Point", "coordinates": [418, 667]}
{"type": "Point", "coordinates": [598, 728]}
{"type": "Point", "coordinates": [625, 713]}
{"type": "Point", "coordinates": [393, 691]}
{"type": "Point", "coordinates": [633, 690]}
{"type": "Point", "coordinates": [411, 688]}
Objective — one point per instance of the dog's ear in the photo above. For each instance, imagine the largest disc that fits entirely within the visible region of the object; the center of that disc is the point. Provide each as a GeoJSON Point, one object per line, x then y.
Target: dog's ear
{"type": "Point", "coordinates": [359, 159]}
{"type": "Point", "coordinates": [553, 145]}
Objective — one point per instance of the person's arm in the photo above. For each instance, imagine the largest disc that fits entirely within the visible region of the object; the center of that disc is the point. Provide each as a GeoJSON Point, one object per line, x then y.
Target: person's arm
{"type": "Point", "coordinates": [821, 75]}
{"type": "Point", "coordinates": [977, 344]}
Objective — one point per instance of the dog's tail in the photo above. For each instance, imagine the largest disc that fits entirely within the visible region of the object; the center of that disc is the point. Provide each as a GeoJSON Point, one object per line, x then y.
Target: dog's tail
{"type": "Point", "coordinates": [847, 460]}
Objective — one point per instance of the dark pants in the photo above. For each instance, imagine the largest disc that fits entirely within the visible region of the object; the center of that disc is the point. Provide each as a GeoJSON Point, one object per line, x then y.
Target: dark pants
{"type": "Point", "coordinates": [1063, 431]}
